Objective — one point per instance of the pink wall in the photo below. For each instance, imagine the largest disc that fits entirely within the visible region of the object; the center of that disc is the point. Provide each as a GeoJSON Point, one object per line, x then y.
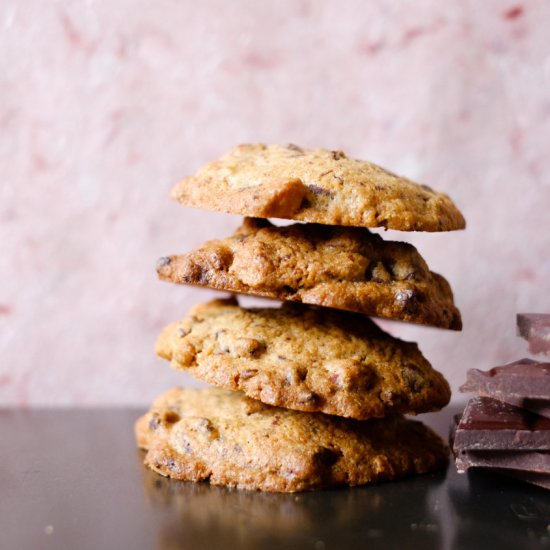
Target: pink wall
{"type": "Point", "coordinates": [104, 105]}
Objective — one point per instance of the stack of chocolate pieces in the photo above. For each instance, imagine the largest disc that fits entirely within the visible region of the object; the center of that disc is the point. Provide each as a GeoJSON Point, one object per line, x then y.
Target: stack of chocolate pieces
{"type": "Point", "coordinates": [506, 427]}
{"type": "Point", "coordinates": [310, 394]}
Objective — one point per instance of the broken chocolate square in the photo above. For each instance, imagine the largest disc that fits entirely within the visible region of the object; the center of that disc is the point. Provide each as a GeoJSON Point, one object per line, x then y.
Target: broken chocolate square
{"type": "Point", "coordinates": [529, 466]}
{"type": "Point", "coordinates": [528, 461]}
{"type": "Point", "coordinates": [492, 425]}
{"type": "Point", "coordinates": [524, 383]}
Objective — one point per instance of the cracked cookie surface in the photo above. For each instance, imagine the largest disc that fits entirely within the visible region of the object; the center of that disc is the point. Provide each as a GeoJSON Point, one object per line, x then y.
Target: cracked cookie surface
{"type": "Point", "coordinates": [316, 185]}
{"type": "Point", "coordinates": [304, 358]}
{"type": "Point", "coordinates": [228, 439]}
{"type": "Point", "coordinates": [343, 268]}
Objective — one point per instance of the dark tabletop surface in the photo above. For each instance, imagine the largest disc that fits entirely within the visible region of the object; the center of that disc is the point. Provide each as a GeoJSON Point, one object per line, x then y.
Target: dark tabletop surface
{"type": "Point", "coordinates": [74, 479]}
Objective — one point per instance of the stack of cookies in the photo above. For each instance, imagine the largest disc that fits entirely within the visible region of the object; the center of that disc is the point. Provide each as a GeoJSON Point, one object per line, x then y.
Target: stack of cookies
{"type": "Point", "coordinates": [505, 428]}
{"type": "Point", "coordinates": [310, 394]}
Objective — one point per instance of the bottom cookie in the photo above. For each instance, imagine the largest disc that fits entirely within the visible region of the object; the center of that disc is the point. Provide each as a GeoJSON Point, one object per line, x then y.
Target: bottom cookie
{"type": "Point", "coordinates": [228, 439]}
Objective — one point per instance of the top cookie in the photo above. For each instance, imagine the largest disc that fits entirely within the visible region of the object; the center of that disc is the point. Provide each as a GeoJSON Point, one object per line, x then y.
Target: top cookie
{"type": "Point", "coordinates": [316, 185]}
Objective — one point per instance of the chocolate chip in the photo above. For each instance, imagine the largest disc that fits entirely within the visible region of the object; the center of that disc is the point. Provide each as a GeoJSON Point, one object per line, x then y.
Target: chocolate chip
{"type": "Point", "coordinates": [248, 373]}
{"type": "Point", "coordinates": [413, 378]}
{"type": "Point", "coordinates": [338, 155]}
{"type": "Point", "coordinates": [327, 456]}
{"type": "Point", "coordinates": [318, 190]}
{"type": "Point", "coordinates": [295, 148]}
{"type": "Point", "coordinates": [301, 374]}
{"type": "Point", "coordinates": [367, 378]}
{"type": "Point", "coordinates": [306, 203]}
{"type": "Point", "coordinates": [171, 417]}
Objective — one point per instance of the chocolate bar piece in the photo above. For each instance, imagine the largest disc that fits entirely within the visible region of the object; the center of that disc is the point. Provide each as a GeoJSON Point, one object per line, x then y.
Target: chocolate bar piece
{"type": "Point", "coordinates": [531, 461]}
{"type": "Point", "coordinates": [529, 466]}
{"type": "Point", "coordinates": [489, 424]}
{"type": "Point", "coordinates": [535, 328]}
{"type": "Point", "coordinates": [524, 383]}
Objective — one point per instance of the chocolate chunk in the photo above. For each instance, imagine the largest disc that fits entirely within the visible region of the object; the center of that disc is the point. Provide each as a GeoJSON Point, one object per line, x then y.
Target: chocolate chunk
{"type": "Point", "coordinates": [531, 461]}
{"type": "Point", "coordinates": [327, 456]}
{"type": "Point", "coordinates": [318, 190]}
{"type": "Point", "coordinates": [295, 148]}
{"type": "Point", "coordinates": [535, 328]}
{"type": "Point", "coordinates": [413, 378]}
{"type": "Point", "coordinates": [529, 466]}
{"type": "Point", "coordinates": [338, 155]}
{"type": "Point", "coordinates": [524, 383]}
{"type": "Point", "coordinates": [523, 378]}
{"type": "Point", "coordinates": [489, 424]}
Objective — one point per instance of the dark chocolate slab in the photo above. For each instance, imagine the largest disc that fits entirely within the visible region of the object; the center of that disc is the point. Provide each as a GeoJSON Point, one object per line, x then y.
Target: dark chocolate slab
{"type": "Point", "coordinates": [524, 383]}
{"type": "Point", "coordinates": [535, 328]}
{"type": "Point", "coordinates": [521, 379]}
{"type": "Point", "coordinates": [530, 466]}
{"type": "Point", "coordinates": [489, 424]}
{"type": "Point", "coordinates": [531, 461]}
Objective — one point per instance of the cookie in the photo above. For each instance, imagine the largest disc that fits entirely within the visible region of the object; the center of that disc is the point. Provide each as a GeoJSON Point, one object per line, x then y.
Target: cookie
{"type": "Point", "coordinates": [225, 438]}
{"type": "Point", "coordinates": [316, 185]}
{"type": "Point", "coordinates": [304, 358]}
{"type": "Point", "coordinates": [343, 268]}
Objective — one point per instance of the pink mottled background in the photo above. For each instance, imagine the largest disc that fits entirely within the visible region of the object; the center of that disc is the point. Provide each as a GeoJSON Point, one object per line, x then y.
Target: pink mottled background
{"type": "Point", "coordinates": [105, 104]}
